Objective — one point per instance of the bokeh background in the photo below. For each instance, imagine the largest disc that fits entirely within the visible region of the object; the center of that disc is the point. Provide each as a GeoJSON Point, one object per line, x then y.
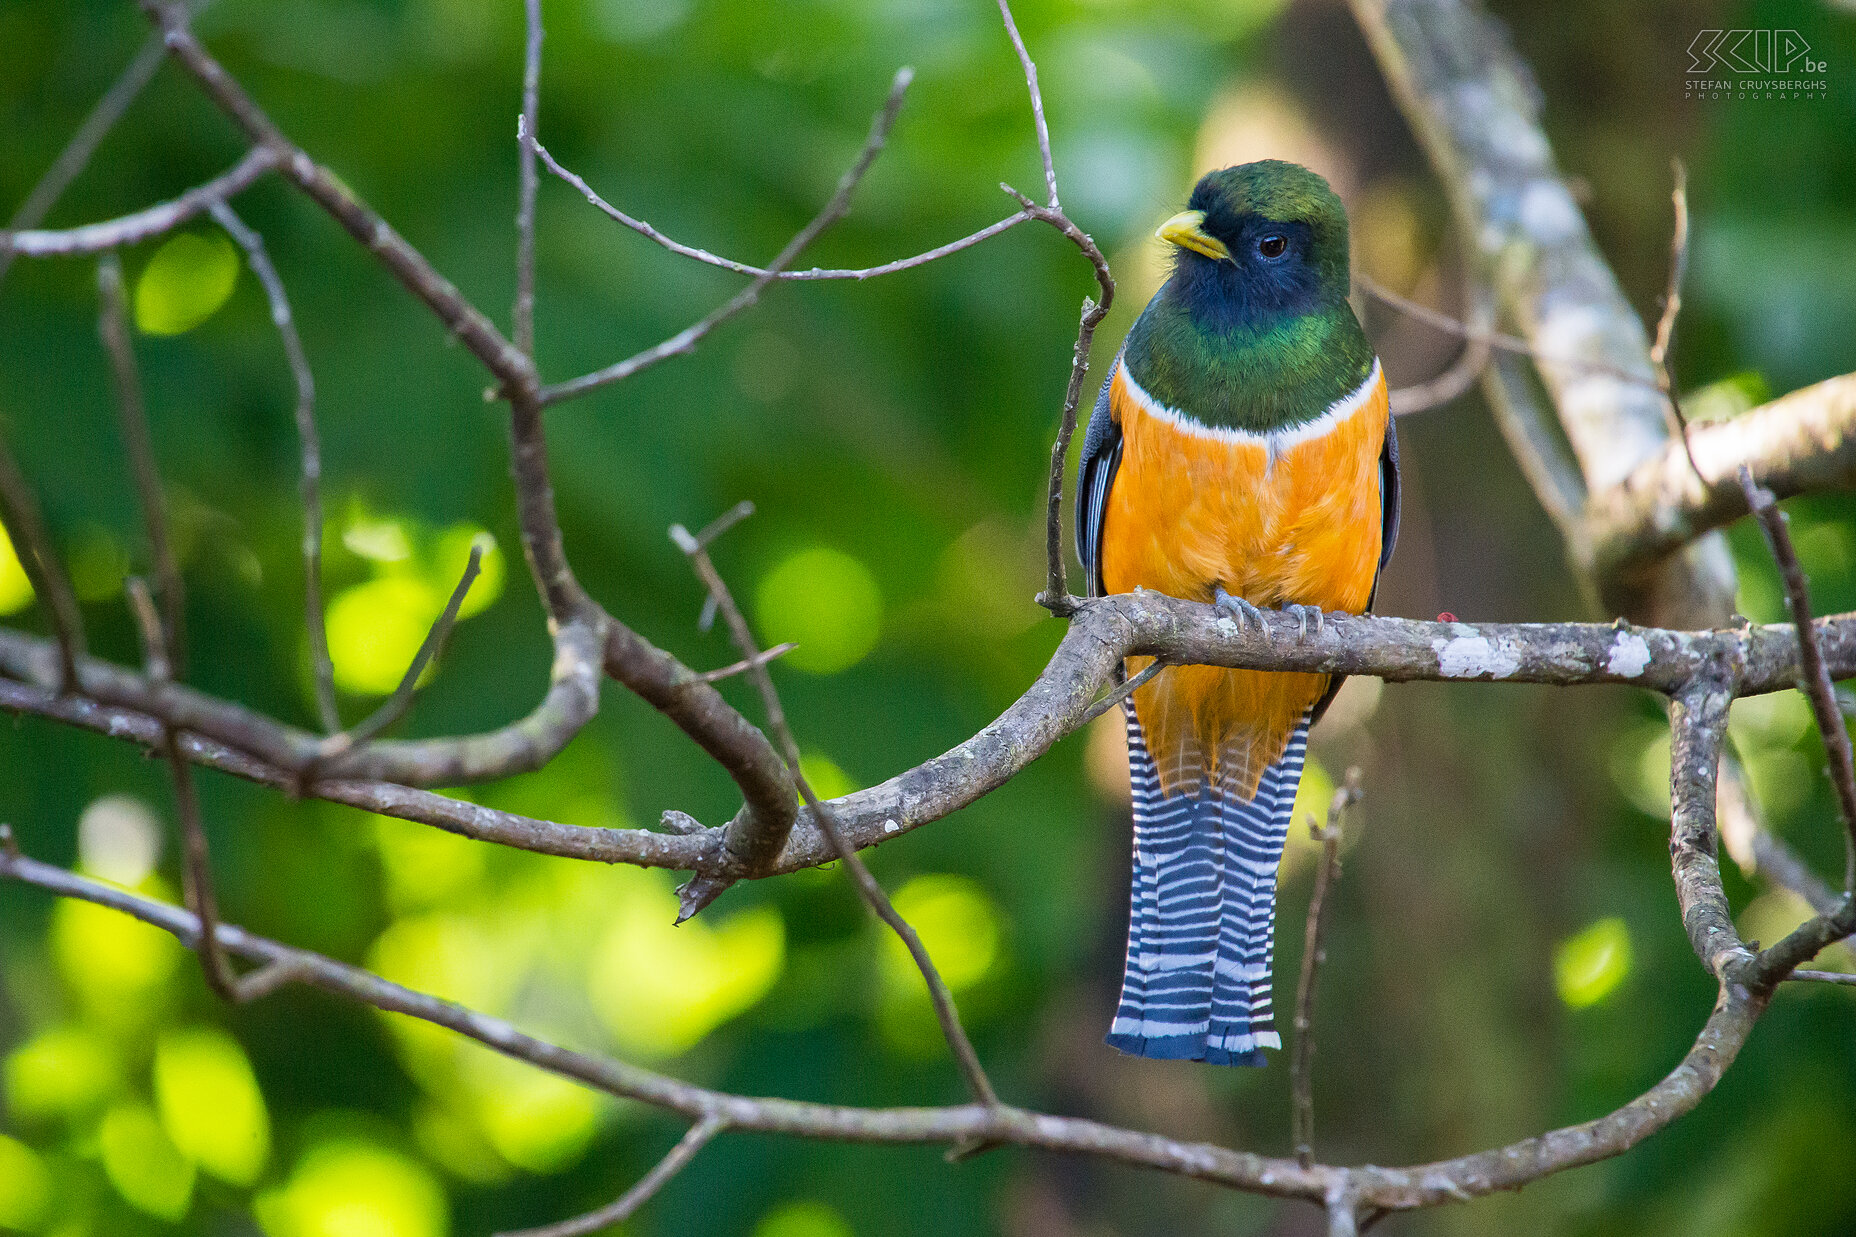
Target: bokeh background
{"type": "Point", "coordinates": [1505, 953]}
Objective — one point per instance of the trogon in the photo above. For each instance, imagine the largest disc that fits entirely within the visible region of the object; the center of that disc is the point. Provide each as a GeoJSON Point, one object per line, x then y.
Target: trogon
{"type": "Point", "coordinates": [1242, 454]}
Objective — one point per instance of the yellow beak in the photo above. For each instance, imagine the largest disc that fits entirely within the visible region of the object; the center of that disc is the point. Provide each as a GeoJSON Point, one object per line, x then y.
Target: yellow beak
{"type": "Point", "coordinates": [1187, 230]}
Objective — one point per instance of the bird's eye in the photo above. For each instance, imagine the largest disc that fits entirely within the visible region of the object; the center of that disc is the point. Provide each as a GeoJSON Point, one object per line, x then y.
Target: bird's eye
{"type": "Point", "coordinates": [1273, 245]}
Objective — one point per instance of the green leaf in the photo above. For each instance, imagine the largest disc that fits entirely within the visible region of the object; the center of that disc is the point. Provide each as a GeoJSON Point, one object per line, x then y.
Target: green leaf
{"type": "Point", "coordinates": [185, 283]}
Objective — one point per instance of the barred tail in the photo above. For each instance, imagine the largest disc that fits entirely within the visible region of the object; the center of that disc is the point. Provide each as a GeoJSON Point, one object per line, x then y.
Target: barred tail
{"type": "Point", "coordinates": [1202, 924]}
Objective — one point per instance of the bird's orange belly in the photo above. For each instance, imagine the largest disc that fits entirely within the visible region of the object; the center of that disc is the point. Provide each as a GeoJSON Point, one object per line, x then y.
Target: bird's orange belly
{"type": "Point", "coordinates": [1292, 518]}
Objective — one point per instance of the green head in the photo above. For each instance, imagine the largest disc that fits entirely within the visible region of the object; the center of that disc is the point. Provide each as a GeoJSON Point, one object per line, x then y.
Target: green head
{"type": "Point", "coordinates": [1253, 330]}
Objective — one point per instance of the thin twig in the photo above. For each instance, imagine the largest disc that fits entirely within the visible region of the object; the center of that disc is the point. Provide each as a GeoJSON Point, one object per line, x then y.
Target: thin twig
{"type": "Point", "coordinates": [645, 230]}
{"type": "Point", "coordinates": [1814, 675]}
{"type": "Point", "coordinates": [1464, 371]}
{"type": "Point", "coordinates": [732, 669]}
{"type": "Point", "coordinates": [196, 869]}
{"type": "Point", "coordinates": [685, 341]}
{"type": "Point", "coordinates": [322, 667]}
{"type": "Point", "coordinates": [512, 367]}
{"type": "Point", "coordinates": [1825, 977]}
{"type": "Point", "coordinates": [138, 444]}
{"type": "Point", "coordinates": [32, 545]}
{"type": "Point", "coordinates": [965, 1058]}
{"type": "Point", "coordinates": [1663, 347]}
{"type": "Point", "coordinates": [1678, 269]}
{"type": "Point", "coordinates": [1037, 103]}
{"type": "Point", "coordinates": [395, 706]}
{"type": "Point", "coordinates": [1498, 340]}
{"type": "Point", "coordinates": [144, 224]}
{"type": "Point", "coordinates": [523, 314]}
{"type": "Point", "coordinates": [622, 1208]}
{"type": "Point", "coordinates": [1301, 1057]}
{"type": "Point", "coordinates": [1056, 595]}
{"type": "Point", "coordinates": [77, 153]}
{"type": "Point", "coordinates": [723, 522]}
{"type": "Point", "coordinates": [1124, 690]}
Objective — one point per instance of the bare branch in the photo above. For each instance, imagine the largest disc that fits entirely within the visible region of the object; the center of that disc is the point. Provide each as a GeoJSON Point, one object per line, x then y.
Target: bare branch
{"type": "Point", "coordinates": [1105, 631]}
{"type": "Point", "coordinates": [1698, 731]}
{"type": "Point", "coordinates": [1486, 336]}
{"type": "Point", "coordinates": [685, 341]}
{"type": "Point", "coordinates": [1804, 442]}
{"type": "Point", "coordinates": [1464, 371]}
{"type": "Point", "coordinates": [322, 668]}
{"type": "Point", "coordinates": [867, 886]}
{"type": "Point", "coordinates": [1124, 690]}
{"type": "Point", "coordinates": [1664, 340]}
{"type": "Point", "coordinates": [523, 315]}
{"type": "Point", "coordinates": [1388, 1188]}
{"type": "Point", "coordinates": [197, 867]}
{"type": "Point", "coordinates": [144, 224]}
{"type": "Point", "coordinates": [1056, 595]}
{"type": "Point", "coordinates": [1037, 103]}
{"type": "Point", "coordinates": [1825, 977]}
{"type": "Point", "coordinates": [621, 1209]}
{"type": "Point", "coordinates": [76, 155]}
{"type": "Point", "coordinates": [1526, 421]}
{"type": "Point", "coordinates": [1756, 849]}
{"type": "Point", "coordinates": [32, 544]}
{"type": "Point", "coordinates": [394, 707]}
{"type": "Point", "coordinates": [1477, 116]}
{"type": "Point", "coordinates": [1814, 677]}
{"type": "Point", "coordinates": [1301, 1059]}
{"type": "Point", "coordinates": [1663, 346]}
{"type": "Point", "coordinates": [731, 670]}
{"type": "Point", "coordinates": [502, 358]}
{"type": "Point", "coordinates": [132, 417]}
{"type": "Point", "coordinates": [742, 268]}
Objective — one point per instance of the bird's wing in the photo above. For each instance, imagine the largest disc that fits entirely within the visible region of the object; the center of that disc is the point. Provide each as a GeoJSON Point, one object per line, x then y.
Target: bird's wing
{"type": "Point", "coordinates": [1094, 476]}
{"type": "Point", "coordinates": [1388, 536]}
{"type": "Point", "coordinates": [1388, 495]}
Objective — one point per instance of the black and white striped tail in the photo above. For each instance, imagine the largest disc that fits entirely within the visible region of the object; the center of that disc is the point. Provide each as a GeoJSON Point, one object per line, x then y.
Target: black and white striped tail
{"type": "Point", "coordinates": [1202, 925]}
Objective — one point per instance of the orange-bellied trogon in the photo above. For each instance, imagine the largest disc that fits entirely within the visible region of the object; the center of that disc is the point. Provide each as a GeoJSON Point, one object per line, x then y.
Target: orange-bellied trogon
{"type": "Point", "coordinates": [1242, 454]}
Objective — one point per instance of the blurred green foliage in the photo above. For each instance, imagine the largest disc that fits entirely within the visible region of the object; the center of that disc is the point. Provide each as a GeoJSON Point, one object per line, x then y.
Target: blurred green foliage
{"type": "Point", "coordinates": [1505, 953]}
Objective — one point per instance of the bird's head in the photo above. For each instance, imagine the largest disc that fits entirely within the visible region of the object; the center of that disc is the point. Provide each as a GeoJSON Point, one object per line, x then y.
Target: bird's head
{"type": "Point", "coordinates": [1261, 240]}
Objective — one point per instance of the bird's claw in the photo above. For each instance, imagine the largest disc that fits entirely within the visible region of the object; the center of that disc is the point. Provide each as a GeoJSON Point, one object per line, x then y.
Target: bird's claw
{"type": "Point", "coordinates": [1302, 615]}
{"type": "Point", "coordinates": [1246, 613]}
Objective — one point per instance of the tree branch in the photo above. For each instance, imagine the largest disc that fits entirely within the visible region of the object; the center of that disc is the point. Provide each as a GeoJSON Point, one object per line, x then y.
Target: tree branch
{"type": "Point", "coordinates": [765, 848]}
{"type": "Point", "coordinates": [138, 444]}
{"type": "Point", "coordinates": [394, 707]}
{"type": "Point", "coordinates": [1056, 595]}
{"type": "Point", "coordinates": [144, 224]}
{"type": "Point", "coordinates": [1037, 104]}
{"type": "Point", "coordinates": [645, 230]}
{"type": "Point", "coordinates": [523, 314]}
{"type": "Point", "coordinates": [197, 866]}
{"type": "Point", "coordinates": [622, 1208]}
{"type": "Point", "coordinates": [685, 341]}
{"type": "Point", "coordinates": [1472, 106]}
{"type": "Point", "coordinates": [1301, 1057]}
{"type": "Point", "coordinates": [322, 667]}
{"type": "Point", "coordinates": [1814, 676]}
{"type": "Point", "coordinates": [119, 702]}
{"type": "Point", "coordinates": [32, 545]}
{"type": "Point", "coordinates": [77, 153]}
{"type": "Point", "coordinates": [1804, 442]}
{"type": "Point", "coordinates": [1466, 1177]}
{"type": "Point", "coordinates": [466, 321]}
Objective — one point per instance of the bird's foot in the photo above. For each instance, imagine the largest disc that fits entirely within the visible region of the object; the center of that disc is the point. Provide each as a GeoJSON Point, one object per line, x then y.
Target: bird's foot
{"type": "Point", "coordinates": [1246, 613]}
{"type": "Point", "coordinates": [1302, 616]}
